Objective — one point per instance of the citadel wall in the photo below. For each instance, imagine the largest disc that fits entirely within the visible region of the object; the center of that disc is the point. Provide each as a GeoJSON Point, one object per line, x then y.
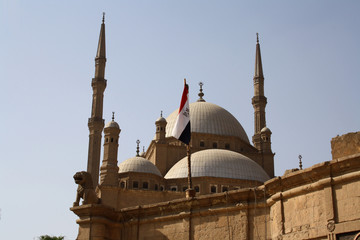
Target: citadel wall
{"type": "Point", "coordinates": [320, 202]}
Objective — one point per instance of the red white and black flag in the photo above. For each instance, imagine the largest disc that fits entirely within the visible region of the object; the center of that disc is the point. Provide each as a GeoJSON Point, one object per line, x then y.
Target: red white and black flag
{"type": "Point", "coordinates": [181, 129]}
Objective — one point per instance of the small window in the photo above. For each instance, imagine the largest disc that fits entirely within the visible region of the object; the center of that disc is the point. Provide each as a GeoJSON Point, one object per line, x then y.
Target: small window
{"type": "Point", "coordinates": [214, 145]}
{"type": "Point", "coordinates": [213, 189]}
{"type": "Point", "coordinates": [107, 140]}
{"type": "Point", "coordinates": [156, 187]}
{"type": "Point", "coordinates": [112, 140]}
{"type": "Point", "coordinates": [122, 184]}
{"type": "Point", "coordinates": [197, 189]}
{"type": "Point", "coordinates": [135, 184]}
{"type": "Point", "coordinates": [145, 185]}
{"type": "Point", "coordinates": [202, 144]}
{"type": "Point", "coordinates": [173, 188]}
{"type": "Point", "coordinates": [184, 189]}
{"type": "Point", "coordinates": [224, 189]}
{"type": "Point", "coordinates": [227, 146]}
{"type": "Point", "coordinates": [158, 128]}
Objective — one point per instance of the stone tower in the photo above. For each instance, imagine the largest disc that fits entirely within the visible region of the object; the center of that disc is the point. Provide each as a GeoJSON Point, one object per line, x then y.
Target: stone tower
{"type": "Point", "coordinates": [161, 145]}
{"type": "Point", "coordinates": [96, 122]}
{"type": "Point", "coordinates": [109, 168]}
{"type": "Point", "coordinates": [262, 134]}
{"type": "Point", "coordinates": [160, 124]}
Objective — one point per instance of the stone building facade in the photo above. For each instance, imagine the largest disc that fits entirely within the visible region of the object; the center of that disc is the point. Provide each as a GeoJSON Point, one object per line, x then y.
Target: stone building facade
{"type": "Point", "coordinates": [237, 194]}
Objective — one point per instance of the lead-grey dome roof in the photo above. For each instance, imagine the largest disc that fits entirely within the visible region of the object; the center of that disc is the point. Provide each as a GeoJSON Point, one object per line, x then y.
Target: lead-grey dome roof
{"type": "Point", "coordinates": [138, 164]}
{"type": "Point", "coordinates": [210, 118]}
{"type": "Point", "coordinates": [219, 163]}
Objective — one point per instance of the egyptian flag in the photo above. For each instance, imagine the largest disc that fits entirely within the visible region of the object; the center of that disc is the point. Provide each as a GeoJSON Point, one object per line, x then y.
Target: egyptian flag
{"type": "Point", "coordinates": [181, 129]}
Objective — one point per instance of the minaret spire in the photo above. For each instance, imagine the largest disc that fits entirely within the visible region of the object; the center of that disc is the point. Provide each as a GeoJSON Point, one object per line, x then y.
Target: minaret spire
{"type": "Point", "coordinates": [258, 63]}
{"type": "Point", "coordinates": [262, 134]}
{"type": "Point", "coordinates": [259, 100]}
{"type": "Point", "coordinates": [96, 122]}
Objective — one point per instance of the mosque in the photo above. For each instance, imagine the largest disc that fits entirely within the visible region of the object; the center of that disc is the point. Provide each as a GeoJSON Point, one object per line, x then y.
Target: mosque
{"type": "Point", "coordinates": [235, 193]}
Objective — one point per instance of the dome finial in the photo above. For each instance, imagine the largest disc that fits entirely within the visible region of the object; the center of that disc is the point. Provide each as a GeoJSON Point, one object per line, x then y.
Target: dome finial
{"type": "Point", "coordinates": [137, 148]}
{"type": "Point", "coordinates": [201, 94]}
{"type": "Point", "coordinates": [300, 162]}
{"type": "Point", "coordinates": [103, 19]}
{"type": "Point", "coordinates": [113, 118]}
{"type": "Point", "coordinates": [257, 37]}
{"type": "Point", "coordinates": [161, 113]}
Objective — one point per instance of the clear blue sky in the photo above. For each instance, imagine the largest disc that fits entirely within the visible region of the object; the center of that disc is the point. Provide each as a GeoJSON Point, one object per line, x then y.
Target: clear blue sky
{"type": "Point", "coordinates": [311, 61]}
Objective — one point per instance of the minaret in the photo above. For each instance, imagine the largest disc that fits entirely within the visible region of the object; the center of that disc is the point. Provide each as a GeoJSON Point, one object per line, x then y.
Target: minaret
{"type": "Point", "coordinates": [160, 124]}
{"type": "Point", "coordinates": [96, 122]}
{"type": "Point", "coordinates": [262, 134]}
{"type": "Point", "coordinates": [109, 168]}
{"type": "Point", "coordinates": [259, 100]}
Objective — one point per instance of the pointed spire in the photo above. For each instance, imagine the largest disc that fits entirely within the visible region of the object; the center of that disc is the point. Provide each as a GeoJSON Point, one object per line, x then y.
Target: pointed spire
{"type": "Point", "coordinates": [201, 94]}
{"type": "Point", "coordinates": [101, 51]}
{"type": "Point", "coordinates": [258, 63]}
{"type": "Point", "coordinates": [137, 148]}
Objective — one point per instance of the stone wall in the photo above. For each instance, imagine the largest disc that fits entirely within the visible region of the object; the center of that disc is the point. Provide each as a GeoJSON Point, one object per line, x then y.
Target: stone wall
{"type": "Point", "coordinates": [317, 203]}
{"type": "Point", "coordinates": [345, 145]}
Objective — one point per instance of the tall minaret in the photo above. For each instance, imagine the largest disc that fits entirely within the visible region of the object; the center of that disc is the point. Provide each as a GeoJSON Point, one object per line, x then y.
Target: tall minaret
{"type": "Point", "coordinates": [96, 122]}
{"type": "Point", "coordinates": [259, 100]}
{"type": "Point", "coordinates": [262, 134]}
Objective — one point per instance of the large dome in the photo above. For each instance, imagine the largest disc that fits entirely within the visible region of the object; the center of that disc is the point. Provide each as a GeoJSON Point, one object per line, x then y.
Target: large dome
{"type": "Point", "coordinates": [210, 118]}
{"type": "Point", "coordinates": [138, 164]}
{"type": "Point", "coordinates": [219, 163]}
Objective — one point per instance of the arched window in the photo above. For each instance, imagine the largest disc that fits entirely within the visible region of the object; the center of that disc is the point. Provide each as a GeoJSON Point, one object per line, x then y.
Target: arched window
{"type": "Point", "coordinates": [135, 184]}
{"type": "Point", "coordinates": [213, 189]}
{"type": "Point", "coordinates": [197, 189]}
{"type": "Point", "coordinates": [145, 185]}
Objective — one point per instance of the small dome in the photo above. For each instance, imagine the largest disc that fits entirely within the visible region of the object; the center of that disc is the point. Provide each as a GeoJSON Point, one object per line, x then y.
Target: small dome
{"type": "Point", "coordinates": [265, 130]}
{"type": "Point", "coordinates": [160, 119]}
{"type": "Point", "coordinates": [219, 163]}
{"type": "Point", "coordinates": [138, 164]}
{"type": "Point", "coordinates": [112, 124]}
{"type": "Point", "coordinates": [210, 118]}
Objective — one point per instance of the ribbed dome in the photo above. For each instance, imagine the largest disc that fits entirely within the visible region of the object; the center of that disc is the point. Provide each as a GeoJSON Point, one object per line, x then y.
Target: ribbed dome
{"type": "Point", "coordinates": [219, 163]}
{"type": "Point", "coordinates": [138, 164]}
{"type": "Point", "coordinates": [210, 118]}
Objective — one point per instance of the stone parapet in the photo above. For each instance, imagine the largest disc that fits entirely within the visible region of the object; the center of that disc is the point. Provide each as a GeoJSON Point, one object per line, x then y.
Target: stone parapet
{"type": "Point", "coordinates": [345, 145]}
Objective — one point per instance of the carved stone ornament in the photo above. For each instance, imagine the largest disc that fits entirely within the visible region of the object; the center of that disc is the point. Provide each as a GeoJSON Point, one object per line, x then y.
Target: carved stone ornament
{"type": "Point", "coordinates": [85, 189]}
{"type": "Point", "coordinates": [331, 225]}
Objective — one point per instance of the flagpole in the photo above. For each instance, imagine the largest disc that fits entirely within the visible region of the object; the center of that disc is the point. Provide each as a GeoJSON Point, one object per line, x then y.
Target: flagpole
{"type": "Point", "coordinates": [189, 166]}
{"type": "Point", "coordinates": [190, 192]}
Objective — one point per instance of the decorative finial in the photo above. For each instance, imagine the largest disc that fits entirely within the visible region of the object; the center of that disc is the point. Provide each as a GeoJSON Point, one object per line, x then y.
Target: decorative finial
{"type": "Point", "coordinates": [257, 37]}
{"type": "Point", "coordinates": [103, 20]}
{"type": "Point", "coordinates": [143, 148]}
{"type": "Point", "coordinates": [300, 163]}
{"type": "Point", "coordinates": [137, 147]}
{"type": "Point", "coordinates": [113, 113]}
{"type": "Point", "coordinates": [201, 94]}
{"type": "Point", "coordinates": [161, 113]}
